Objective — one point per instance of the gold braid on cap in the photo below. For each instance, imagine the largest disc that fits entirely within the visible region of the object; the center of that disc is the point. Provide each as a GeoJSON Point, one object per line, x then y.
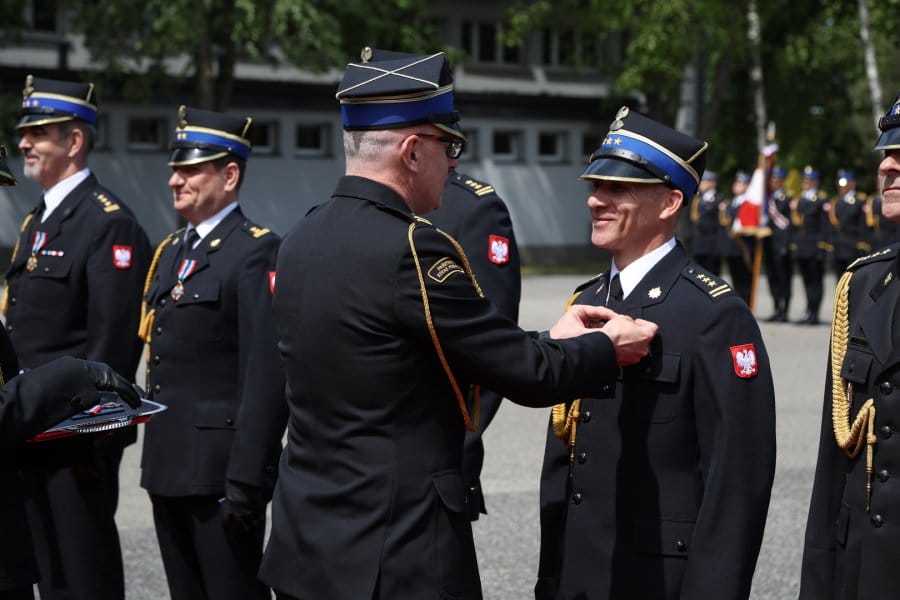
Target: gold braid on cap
{"type": "Point", "coordinates": [849, 437]}
{"type": "Point", "coordinates": [471, 423]}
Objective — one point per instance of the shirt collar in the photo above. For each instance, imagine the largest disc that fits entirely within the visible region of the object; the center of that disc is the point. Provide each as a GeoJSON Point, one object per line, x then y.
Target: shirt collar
{"type": "Point", "coordinates": [58, 192]}
{"type": "Point", "coordinates": [632, 275]}
{"type": "Point", "coordinates": [209, 224]}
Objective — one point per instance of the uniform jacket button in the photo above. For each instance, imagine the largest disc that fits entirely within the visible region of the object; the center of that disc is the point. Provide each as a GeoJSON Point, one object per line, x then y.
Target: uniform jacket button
{"type": "Point", "coordinates": [877, 521]}
{"type": "Point", "coordinates": [158, 330]}
{"type": "Point", "coordinates": [162, 301]}
{"type": "Point", "coordinates": [9, 327]}
{"type": "Point", "coordinates": [229, 421]}
{"type": "Point", "coordinates": [886, 388]}
{"type": "Point", "coordinates": [886, 431]}
{"type": "Point", "coordinates": [680, 545]}
{"type": "Point", "coordinates": [883, 475]}
{"type": "Point", "coordinates": [156, 389]}
{"type": "Point", "coordinates": [577, 497]}
{"type": "Point", "coordinates": [586, 416]}
{"type": "Point", "coordinates": [156, 359]}
{"type": "Point", "coordinates": [12, 300]}
{"type": "Point", "coordinates": [582, 457]}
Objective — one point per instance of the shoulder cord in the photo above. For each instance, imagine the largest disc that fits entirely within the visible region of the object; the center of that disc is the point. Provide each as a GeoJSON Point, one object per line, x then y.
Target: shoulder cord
{"type": "Point", "coordinates": [4, 301]}
{"type": "Point", "coordinates": [147, 314]}
{"type": "Point", "coordinates": [564, 419]}
{"type": "Point", "coordinates": [471, 423]}
{"type": "Point", "coordinates": [849, 437]}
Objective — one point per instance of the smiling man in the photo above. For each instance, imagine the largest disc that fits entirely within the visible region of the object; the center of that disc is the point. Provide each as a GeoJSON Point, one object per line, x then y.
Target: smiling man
{"type": "Point", "coordinates": [851, 547]}
{"type": "Point", "coordinates": [73, 288]}
{"type": "Point", "coordinates": [659, 486]}
{"type": "Point", "coordinates": [209, 460]}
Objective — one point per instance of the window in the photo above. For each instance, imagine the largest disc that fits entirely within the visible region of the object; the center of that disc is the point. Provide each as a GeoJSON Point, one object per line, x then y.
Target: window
{"type": "Point", "coordinates": [101, 140]}
{"type": "Point", "coordinates": [570, 48]}
{"type": "Point", "coordinates": [483, 42]}
{"type": "Point", "coordinates": [471, 151]}
{"type": "Point", "coordinates": [312, 140]}
{"type": "Point", "coordinates": [264, 137]}
{"type": "Point", "coordinates": [147, 133]}
{"type": "Point", "coordinates": [552, 146]}
{"type": "Point", "coordinates": [507, 145]}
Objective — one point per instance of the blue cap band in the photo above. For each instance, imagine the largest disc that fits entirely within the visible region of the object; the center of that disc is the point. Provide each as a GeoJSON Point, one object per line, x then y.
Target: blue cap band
{"type": "Point", "coordinates": [372, 115]}
{"type": "Point", "coordinates": [231, 144]}
{"type": "Point", "coordinates": [682, 178]}
{"type": "Point", "coordinates": [82, 111]}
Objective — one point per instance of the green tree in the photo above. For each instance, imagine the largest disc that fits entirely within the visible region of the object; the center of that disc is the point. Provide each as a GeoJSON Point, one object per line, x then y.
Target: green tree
{"type": "Point", "coordinates": [205, 39]}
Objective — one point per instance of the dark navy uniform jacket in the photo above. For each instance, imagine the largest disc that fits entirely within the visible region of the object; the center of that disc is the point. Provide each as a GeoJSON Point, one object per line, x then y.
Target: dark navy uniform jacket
{"type": "Point", "coordinates": [783, 231]}
{"type": "Point", "coordinates": [848, 220]}
{"type": "Point", "coordinates": [705, 224]}
{"type": "Point", "coordinates": [851, 554]}
{"type": "Point", "coordinates": [673, 466]}
{"type": "Point", "coordinates": [84, 297]}
{"type": "Point", "coordinates": [473, 213]}
{"type": "Point", "coordinates": [214, 362]}
{"type": "Point", "coordinates": [370, 497]}
{"type": "Point", "coordinates": [812, 230]}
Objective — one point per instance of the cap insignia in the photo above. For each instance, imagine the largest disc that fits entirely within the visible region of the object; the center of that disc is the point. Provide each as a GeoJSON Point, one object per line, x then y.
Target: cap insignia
{"type": "Point", "coordinates": [616, 125]}
{"type": "Point", "coordinates": [623, 112]}
{"type": "Point", "coordinates": [182, 116]}
{"type": "Point", "coordinates": [366, 54]}
{"type": "Point", "coordinates": [29, 87]}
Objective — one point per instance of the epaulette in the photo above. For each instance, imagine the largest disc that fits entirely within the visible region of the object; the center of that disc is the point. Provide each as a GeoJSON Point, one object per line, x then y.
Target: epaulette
{"type": "Point", "coordinates": [589, 282]}
{"type": "Point", "coordinates": [711, 285]}
{"type": "Point", "coordinates": [821, 195]}
{"type": "Point", "coordinates": [255, 230]}
{"type": "Point", "coordinates": [883, 254]}
{"type": "Point", "coordinates": [106, 203]}
{"type": "Point", "coordinates": [479, 188]}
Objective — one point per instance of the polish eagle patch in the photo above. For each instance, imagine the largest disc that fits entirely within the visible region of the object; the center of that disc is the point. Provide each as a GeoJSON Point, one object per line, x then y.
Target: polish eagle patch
{"type": "Point", "coordinates": [122, 257]}
{"type": "Point", "coordinates": [744, 360]}
{"type": "Point", "coordinates": [498, 249]}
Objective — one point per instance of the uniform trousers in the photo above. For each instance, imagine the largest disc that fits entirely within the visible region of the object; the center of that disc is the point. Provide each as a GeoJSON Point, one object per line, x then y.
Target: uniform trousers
{"type": "Point", "coordinates": [71, 513]}
{"type": "Point", "coordinates": [200, 560]}
{"type": "Point", "coordinates": [812, 271]}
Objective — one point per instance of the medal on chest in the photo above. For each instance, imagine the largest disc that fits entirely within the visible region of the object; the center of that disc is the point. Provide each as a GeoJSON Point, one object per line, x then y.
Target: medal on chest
{"type": "Point", "coordinates": [40, 238]}
{"type": "Point", "coordinates": [184, 271]}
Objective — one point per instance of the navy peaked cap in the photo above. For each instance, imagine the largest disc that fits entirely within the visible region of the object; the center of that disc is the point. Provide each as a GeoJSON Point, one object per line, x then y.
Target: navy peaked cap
{"type": "Point", "coordinates": [639, 149]}
{"type": "Point", "coordinates": [46, 101]}
{"type": "Point", "coordinates": [204, 135]}
{"type": "Point", "coordinates": [388, 90]}
{"type": "Point", "coordinates": [889, 125]}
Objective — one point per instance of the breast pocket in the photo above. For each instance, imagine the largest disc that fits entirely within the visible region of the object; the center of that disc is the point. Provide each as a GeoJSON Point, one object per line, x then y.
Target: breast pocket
{"type": "Point", "coordinates": [649, 389]}
{"type": "Point", "coordinates": [199, 313]}
{"type": "Point", "coordinates": [49, 281]}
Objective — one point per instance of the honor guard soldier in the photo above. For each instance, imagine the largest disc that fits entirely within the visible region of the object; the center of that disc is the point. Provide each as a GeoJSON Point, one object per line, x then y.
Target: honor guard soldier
{"type": "Point", "coordinates": [852, 544]}
{"type": "Point", "coordinates": [472, 212]}
{"type": "Point", "coordinates": [735, 250]}
{"type": "Point", "coordinates": [809, 216]}
{"type": "Point", "coordinates": [637, 480]}
{"type": "Point", "coordinates": [848, 221]}
{"type": "Point", "coordinates": [209, 460]}
{"type": "Point", "coordinates": [73, 288]}
{"type": "Point", "coordinates": [383, 329]}
{"type": "Point", "coordinates": [705, 244]}
{"type": "Point", "coordinates": [777, 252]}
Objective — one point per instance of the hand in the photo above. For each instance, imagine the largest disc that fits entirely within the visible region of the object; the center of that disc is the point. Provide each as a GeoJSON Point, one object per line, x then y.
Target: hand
{"type": "Point", "coordinates": [581, 319]}
{"type": "Point", "coordinates": [242, 509]}
{"type": "Point", "coordinates": [106, 379]}
{"type": "Point", "coordinates": [631, 337]}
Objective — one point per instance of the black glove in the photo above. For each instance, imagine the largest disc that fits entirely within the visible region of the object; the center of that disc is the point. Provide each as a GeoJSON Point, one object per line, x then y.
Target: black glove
{"type": "Point", "coordinates": [243, 508]}
{"type": "Point", "coordinates": [106, 379]}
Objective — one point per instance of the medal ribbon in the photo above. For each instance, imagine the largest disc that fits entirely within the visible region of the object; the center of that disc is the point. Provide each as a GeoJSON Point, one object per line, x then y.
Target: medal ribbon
{"type": "Point", "coordinates": [187, 268]}
{"type": "Point", "coordinates": [40, 238]}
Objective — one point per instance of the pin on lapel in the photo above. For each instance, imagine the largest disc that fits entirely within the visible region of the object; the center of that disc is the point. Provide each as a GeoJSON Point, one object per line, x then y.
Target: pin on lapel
{"type": "Point", "coordinates": [655, 293]}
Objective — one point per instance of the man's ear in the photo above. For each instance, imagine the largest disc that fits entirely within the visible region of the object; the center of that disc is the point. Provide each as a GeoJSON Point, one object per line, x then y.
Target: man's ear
{"type": "Point", "coordinates": [232, 173]}
{"type": "Point", "coordinates": [671, 204]}
{"type": "Point", "coordinates": [408, 148]}
{"type": "Point", "coordinates": [77, 137]}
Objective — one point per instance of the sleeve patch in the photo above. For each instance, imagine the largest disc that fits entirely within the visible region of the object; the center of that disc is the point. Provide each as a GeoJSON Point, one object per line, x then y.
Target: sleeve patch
{"type": "Point", "coordinates": [744, 360]}
{"type": "Point", "coordinates": [443, 269]}
{"type": "Point", "coordinates": [272, 282]}
{"type": "Point", "coordinates": [122, 257]}
{"type": "Point", "coordinates": [498, 249]}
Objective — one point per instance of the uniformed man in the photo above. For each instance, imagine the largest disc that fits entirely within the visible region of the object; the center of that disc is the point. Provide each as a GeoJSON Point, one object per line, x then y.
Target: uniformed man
{"type": "Point", "coordinates": [848, 222]}
{"type": "Point", "coordinates": [736, 249]}
{"type": "Point", "coordinates": [659, 486]}
{"type": "Point", "coordinates": [382, 329]}
{"type": "Point", "coordinates": [880, 231]}
{"type": "Point", "coordinates": [477, 217]}
{"type": "Point", "coordinates": [777, 252]}
{"type": "Point", "coordinates": [705, 244]}
{"type": "Point", "coordinates": [809, 216]}
{"type": "Point", "coordinates": [74, 286]}
{"type": "Point", "coordinates": [214, 362]}
{"type": "Point", "coordinates": [851, 546]}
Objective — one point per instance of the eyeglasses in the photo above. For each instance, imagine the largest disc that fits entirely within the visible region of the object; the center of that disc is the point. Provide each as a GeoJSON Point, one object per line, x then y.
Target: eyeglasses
{"type": "Point", "coordinates": [455, 146]}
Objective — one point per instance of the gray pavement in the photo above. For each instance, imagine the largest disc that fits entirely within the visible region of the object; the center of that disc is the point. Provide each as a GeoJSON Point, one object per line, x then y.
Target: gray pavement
{"type": "Point", "coordinates": [507, 539]}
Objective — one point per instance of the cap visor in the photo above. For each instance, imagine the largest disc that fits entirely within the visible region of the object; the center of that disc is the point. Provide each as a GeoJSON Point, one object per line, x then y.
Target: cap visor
{"type": "Point", "coordinates": [889, 140]}
{"type": "Point", "coordinates": [193, 156]}
{"type": "Point", "coordinates": [618, 170]}
{"type": "Point", "coordinates": [452, 129]}
{"type": "Point", "coordinates": [38, 119]}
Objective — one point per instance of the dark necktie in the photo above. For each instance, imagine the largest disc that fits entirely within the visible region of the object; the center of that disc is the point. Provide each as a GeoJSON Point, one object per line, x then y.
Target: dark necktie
{"type": "Point", "coordinates": [192, 237]}
{"type": "Point", "coordinates": [615, 293]}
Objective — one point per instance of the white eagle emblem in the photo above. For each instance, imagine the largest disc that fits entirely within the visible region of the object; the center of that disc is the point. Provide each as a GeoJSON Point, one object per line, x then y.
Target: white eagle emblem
{"type": "Point", "coordinates": [498, 249]}
{"type": "Point", "coordinates": [122, 257]}
{"type": "Point", "coordinates": [745, 364]}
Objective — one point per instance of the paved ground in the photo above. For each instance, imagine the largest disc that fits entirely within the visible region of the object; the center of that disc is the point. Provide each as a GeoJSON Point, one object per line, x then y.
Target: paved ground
{"type": "Point", "coordinates": [507, 538]}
